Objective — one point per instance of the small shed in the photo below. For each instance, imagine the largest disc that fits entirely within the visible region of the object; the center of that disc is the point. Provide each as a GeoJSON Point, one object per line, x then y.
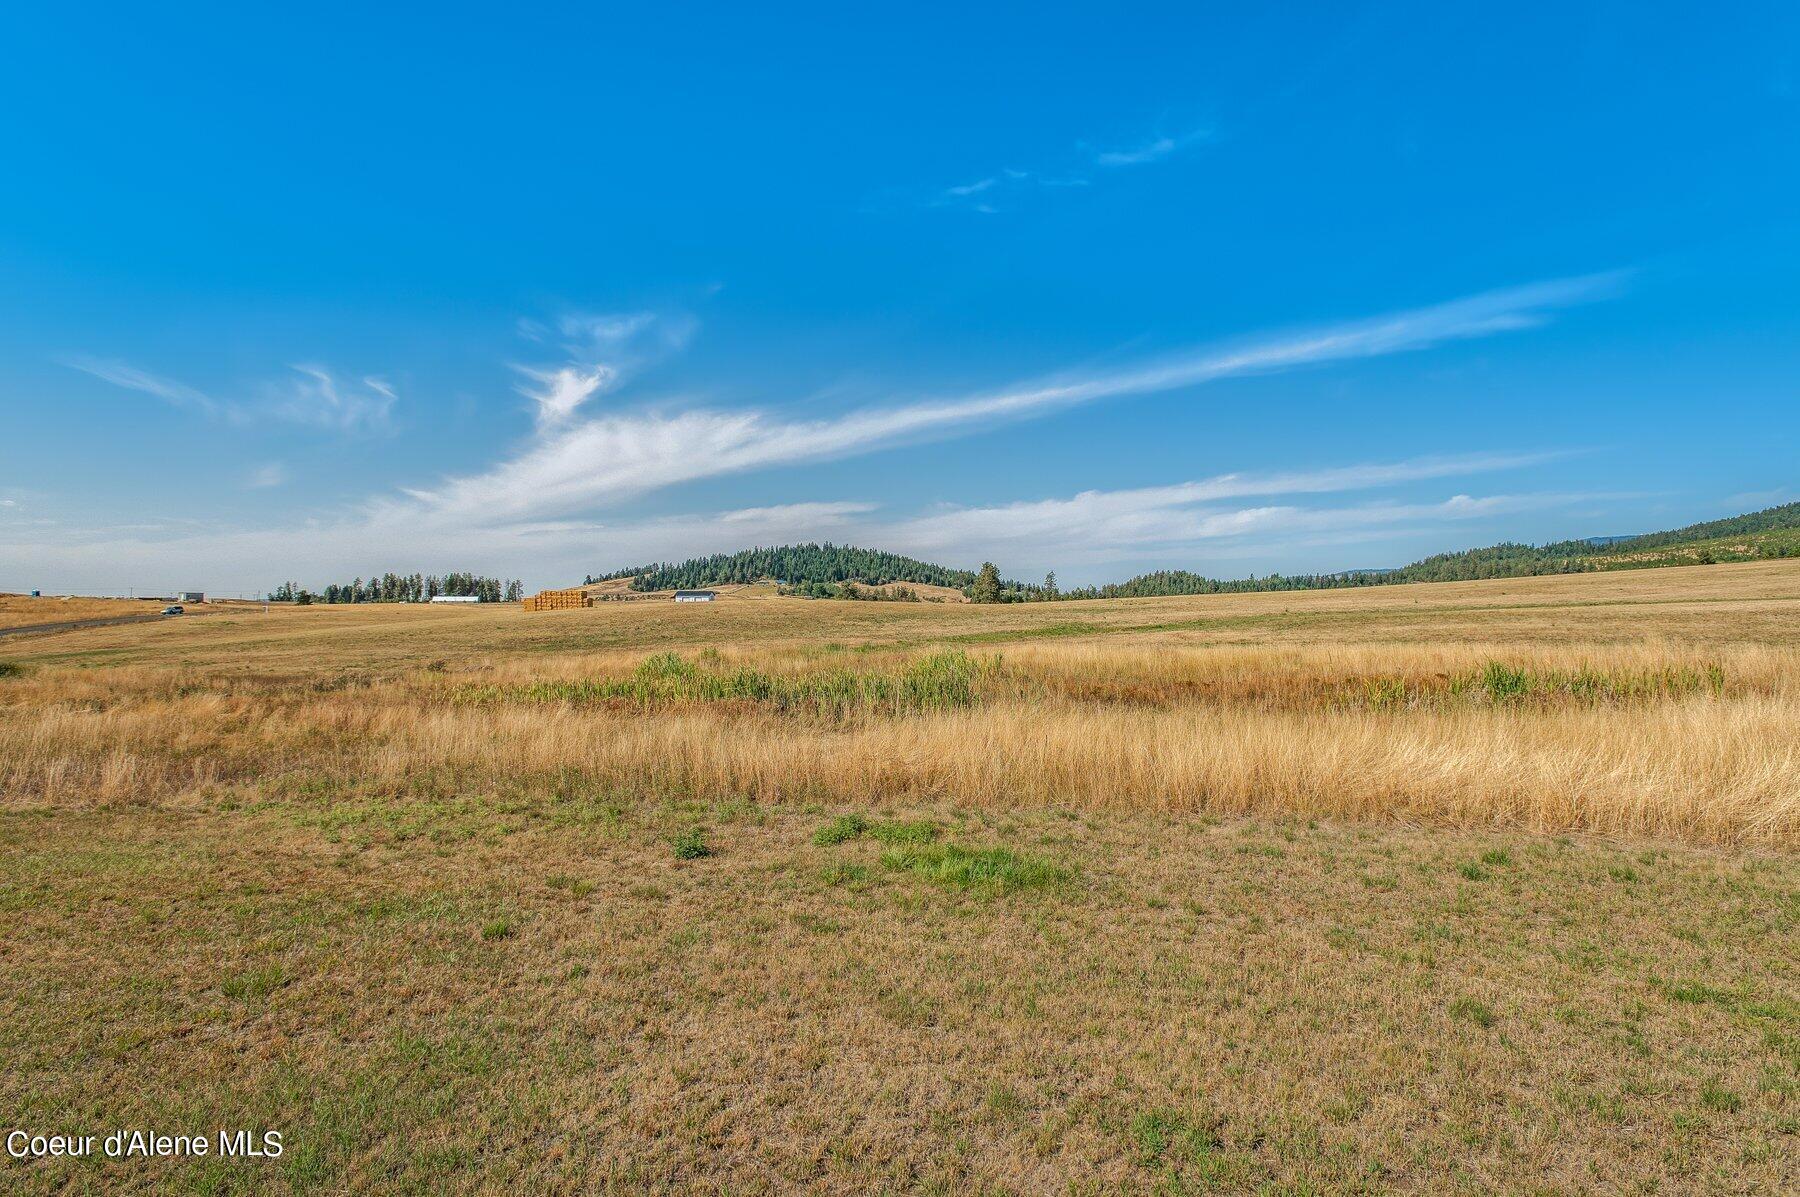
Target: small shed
{"type": "Point", "coordinates": [193, 596]}
{"type": "Point", "coordinates": [695, 596]}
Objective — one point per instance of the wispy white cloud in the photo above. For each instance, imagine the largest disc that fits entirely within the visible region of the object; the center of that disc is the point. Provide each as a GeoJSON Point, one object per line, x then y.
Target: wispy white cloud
{"type": "Point", "coordinates": [312, 395]}
{"type": "Point", "coordinates": [1173, 513]}
{"type": "Point", "coordinates": [559, 392]}
{"type": "Point", "coordinates": [1128, 531]}
{"type": "Point", "coordinates": [123, 374]}
{"type": "Point", "coordinates": [1173, 523]}
{"type": "Point", "coordinates": [1148, 152]}
{"type": "Point", "coordinates": [587, 464]}
{"type": "Point", "coordinates": [1751, 500]}
{"type": "Point", "coordinates": [786, 514]}
{"type": "Point", "coordinates": [269, 474]}
{"type": "Point", "coordinates": [975, 188]}
{"type": "Point", "coordinates": [1153, 150]}
{"type": "Point", "coordinates": [985, 194]}
{"type": "Point", "coordinates": [318, 398]}
{"type": "Point", "coordinates": [602, 350]}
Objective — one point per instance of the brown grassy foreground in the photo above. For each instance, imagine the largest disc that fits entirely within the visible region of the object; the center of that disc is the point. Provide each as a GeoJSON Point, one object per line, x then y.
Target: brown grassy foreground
{"type": "Point", "coordinates": [1454, 888]}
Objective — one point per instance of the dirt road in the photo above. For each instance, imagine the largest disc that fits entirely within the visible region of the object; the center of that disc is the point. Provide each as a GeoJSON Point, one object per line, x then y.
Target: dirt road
{"type": "Point", "coordinates": [74, 625]}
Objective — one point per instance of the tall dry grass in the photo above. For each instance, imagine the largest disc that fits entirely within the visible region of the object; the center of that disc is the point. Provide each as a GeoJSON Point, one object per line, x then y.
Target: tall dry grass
{"type": "Point", "coordinates": [1658, 740]}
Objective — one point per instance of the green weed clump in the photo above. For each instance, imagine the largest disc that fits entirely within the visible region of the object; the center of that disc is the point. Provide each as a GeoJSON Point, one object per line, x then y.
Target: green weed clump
{"type": "Point", "coordinates": [840, 830]}
{"type": "Point", "coordinates": [691, 844]}
{"type": "Point", "coordinates": [989, 870]}
{"type": "Point", "coordinates": [939, 682]}
{"type": "Point", "coordinates": [1386, 693]}
{"type": "Point", "coordinates": [1504, 684]}
{"type": "Point", "coordinates": [1501, 685]}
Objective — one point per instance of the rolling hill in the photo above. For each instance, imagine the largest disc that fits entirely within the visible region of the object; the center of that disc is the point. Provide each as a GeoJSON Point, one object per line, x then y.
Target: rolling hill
{"type": "Point", "coordinates": [793, 565]}
{"type": "Point", "coordinates": [819, 568]}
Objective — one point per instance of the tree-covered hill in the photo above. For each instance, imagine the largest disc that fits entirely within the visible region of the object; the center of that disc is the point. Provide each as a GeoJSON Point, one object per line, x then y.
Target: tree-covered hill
{"type": "Point", "coordinates": [1757, 524]}
{"type": "Point", "coordinates": [793, 564]}
{"type": "Point", "coordinates": [1760, 535]}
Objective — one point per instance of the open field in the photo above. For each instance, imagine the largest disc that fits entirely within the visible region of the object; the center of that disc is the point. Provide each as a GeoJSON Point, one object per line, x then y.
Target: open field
{"type": "Point", "coordinates": [21, 610]}
{"type": "Point", "coordinates": [1457, 887]}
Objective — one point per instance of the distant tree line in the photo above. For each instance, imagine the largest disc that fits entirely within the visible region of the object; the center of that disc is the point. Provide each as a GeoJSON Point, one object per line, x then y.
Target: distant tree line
{"type": "Point", "coordinates": [1770, 519]}
{"type": "Point", "coordinates": [843, 571]}
{"type": "Point", "coordinates": [403, 588]}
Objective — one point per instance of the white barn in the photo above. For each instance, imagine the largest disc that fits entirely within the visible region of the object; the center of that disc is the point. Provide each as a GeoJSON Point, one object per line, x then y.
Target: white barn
{"type": "Point", "coordinates": [695, 596]}
{"type": "Point", "coordinates": [456, 598]}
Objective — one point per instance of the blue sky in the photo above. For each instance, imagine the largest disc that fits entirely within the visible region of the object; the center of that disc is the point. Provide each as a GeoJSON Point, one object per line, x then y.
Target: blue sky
{"type": "Point", "coordinates": [323, 292]}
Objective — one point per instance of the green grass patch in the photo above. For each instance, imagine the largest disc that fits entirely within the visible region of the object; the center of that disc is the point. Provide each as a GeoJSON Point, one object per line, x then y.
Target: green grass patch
{"type": "Point", "coordinates": [854, 876]}
{"type": "Point", "coordinates": [1698, 993]}
{"type": "Point", "coordinates": [938, 682]}
{"type": "Point", "coordinates": [256, 984]}
{"type": "Point", "coordinates": [1498, 684]}
{"type": "Point", "coordinates": [840, 830]}
{"type": "Point", "coordinates": [1718, 1098]}
{"type": "Point", "coordinates": [1695, 992]}
{"type": "Point", "coordinates": [1471, 1011]}
{"type": "Point", "coordinates": [1169, 1136]}
{"type": "Point", "coordinates": [989, 870]}
{"type": "Point", "coordinates": [904, 831]}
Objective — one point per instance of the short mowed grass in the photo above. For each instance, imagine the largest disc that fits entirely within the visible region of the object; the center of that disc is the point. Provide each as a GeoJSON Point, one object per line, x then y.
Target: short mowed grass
{"type": "Point", "coordinates": [874, 999]}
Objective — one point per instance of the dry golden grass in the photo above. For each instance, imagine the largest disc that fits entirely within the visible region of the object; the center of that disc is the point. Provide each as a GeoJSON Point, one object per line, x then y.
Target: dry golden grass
{"type": "Point", "coordinates": [21, 610]}
{"type": "Point", "coordinates": [1696, 606]}
{"type": "Point", "coordinates": [1263, 892]}
{"type": "Point", "coordinates": [1658, 704]}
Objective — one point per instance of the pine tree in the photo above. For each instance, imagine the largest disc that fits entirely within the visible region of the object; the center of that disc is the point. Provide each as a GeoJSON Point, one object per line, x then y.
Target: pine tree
{"type": "Point", "coordinates": [987, 584]}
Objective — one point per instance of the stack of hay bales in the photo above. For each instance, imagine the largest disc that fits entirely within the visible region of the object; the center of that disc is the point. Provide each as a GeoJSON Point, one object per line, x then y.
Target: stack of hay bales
{"type": "Point", "coordinates": [558, 600]}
